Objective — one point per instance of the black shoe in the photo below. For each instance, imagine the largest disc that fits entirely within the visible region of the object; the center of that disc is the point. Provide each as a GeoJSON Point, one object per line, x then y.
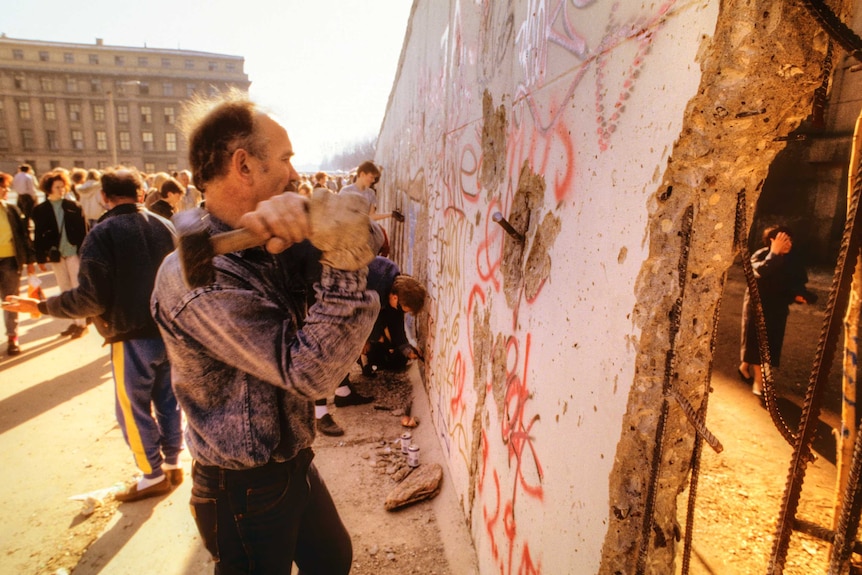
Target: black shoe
{"type": "Point", "coordinates": [80, 330]}
{"type": "Point", "coordinates": [69, 330]}
{"type": "Point", "coordinates": [747, 379]}
{"type": "Point", "coordinates": [352, 398]}
{"type": "Point", "coordinates": [327, 426]}
{"type": "Point", "coordinates": [13, 348]}
{"type": "Point", "coordinates": [368, 371]}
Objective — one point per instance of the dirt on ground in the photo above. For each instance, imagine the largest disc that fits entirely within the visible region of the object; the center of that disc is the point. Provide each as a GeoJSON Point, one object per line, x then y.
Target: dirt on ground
{"type": "Point", "coordinates": [361, 469]}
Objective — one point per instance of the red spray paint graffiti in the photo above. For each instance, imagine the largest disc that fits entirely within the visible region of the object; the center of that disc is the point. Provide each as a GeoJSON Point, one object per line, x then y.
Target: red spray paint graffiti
{"type": "Point", "coordinates": [522, 455]}
{"type": "Point", "coordinates": [539, 133]}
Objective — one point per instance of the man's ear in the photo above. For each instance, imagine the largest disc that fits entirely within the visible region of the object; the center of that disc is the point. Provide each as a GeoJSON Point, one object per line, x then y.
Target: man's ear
{"type": "Point", "coordinates": [240, 163]}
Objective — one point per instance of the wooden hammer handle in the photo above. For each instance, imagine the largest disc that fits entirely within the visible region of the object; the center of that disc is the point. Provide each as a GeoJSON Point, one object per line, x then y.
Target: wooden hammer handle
{"type": "Point", "coordinates": [234, 241]}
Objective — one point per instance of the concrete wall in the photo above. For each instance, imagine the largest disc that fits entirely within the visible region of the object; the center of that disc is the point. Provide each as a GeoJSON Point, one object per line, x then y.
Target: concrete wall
{"type": "Point", "coordinates": [616, 136]}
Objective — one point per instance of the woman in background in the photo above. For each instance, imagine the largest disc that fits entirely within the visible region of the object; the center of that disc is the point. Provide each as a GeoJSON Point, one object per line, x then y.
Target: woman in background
{"type": "Point", "coordinates": [781, 280]}
{"type": "Point", "coordinates": [59, 231]}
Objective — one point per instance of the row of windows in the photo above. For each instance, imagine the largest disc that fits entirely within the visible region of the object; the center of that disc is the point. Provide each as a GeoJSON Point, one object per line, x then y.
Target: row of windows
{"type": "Point", "coordinates": [73, 85]}
{"type": "Point", "coordinates": [49, 112]}
{"type": "Point", "coordinates": [120, 60]}
{"type": "Point", "coordinates": [124, 140]}
{"type": "Point", "coordinates": [149, 167]}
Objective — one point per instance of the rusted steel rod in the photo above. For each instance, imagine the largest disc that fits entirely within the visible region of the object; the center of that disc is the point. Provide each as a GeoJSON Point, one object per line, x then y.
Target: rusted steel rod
{"type": "Point", "coordinates": [498, 217]}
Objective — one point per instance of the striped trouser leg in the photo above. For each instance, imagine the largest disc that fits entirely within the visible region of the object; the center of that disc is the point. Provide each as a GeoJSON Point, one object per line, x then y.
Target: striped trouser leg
{"type": "Point", "coordinates": [142, 385]}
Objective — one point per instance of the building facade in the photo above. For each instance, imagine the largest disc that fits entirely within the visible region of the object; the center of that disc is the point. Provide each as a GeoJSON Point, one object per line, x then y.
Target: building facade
{"type": "Point", "coordinates": [93, 106]}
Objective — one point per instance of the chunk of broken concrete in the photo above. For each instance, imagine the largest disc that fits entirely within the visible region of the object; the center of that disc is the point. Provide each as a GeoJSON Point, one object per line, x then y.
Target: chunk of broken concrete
{"type": "Point", "coordinates": [423, 483]}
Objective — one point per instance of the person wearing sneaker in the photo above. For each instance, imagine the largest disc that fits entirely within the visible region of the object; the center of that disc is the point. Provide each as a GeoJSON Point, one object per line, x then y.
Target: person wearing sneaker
{"type": "Point", "coordinates": [59, 229]}
{"type": "Point", "coordinates": [387, 347]}
{"type": "Point", "coordinates": [16, 251]}
{"type": "Point", "coordinates": [250, 354]}
{"type": "Point", "coordinates": [119, 260]}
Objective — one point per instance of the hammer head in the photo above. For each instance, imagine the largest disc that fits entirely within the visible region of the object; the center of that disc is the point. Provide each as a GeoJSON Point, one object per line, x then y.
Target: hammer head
{"type": "Point", "coordinates": [194, 247]}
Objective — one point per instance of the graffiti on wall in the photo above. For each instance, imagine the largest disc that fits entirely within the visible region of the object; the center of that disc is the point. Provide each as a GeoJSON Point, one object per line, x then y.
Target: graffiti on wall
{"type": "Point", "coordinates": [483, 280]}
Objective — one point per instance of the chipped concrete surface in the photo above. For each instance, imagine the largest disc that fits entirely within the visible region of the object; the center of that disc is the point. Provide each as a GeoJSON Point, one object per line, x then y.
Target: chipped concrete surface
{"type": "Point", "coordinates": [531, 190]}
{"type": "Point", "coordinates": [493, 143]}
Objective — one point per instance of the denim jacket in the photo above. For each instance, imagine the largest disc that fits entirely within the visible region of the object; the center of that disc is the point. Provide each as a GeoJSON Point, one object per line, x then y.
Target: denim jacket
{"type": "Point", "coordinates": [248, 355]}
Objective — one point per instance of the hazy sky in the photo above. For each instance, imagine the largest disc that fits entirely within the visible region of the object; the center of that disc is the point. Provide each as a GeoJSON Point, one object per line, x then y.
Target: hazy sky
{"type": "Point", "coordinates": [324, 66]}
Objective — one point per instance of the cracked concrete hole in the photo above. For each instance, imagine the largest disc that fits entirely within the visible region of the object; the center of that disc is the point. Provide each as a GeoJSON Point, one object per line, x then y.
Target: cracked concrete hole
{"type": "Point", "coordinates": [528, 198]}
{"type": "Point", "coordinates": [493, 144]}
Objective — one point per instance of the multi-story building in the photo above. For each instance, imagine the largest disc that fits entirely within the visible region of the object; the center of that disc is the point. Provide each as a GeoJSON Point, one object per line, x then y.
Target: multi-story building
{"type": "Point", "coordinates": [93, 106]}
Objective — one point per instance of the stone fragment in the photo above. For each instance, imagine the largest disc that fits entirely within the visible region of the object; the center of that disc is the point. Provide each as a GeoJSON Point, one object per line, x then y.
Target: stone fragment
{"type": "Point", "coordinates": [402, 472]}
{"type": "Point", "coordinates": [423, 483]}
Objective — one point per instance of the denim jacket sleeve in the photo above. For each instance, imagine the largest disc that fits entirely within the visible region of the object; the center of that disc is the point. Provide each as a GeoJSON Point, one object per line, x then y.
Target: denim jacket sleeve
{"type": "Point", "coordinates": [244, 322]}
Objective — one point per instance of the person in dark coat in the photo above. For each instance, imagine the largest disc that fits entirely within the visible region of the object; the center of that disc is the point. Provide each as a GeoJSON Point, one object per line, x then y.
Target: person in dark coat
{"type": "Point", "coordinates": [781, 280]}
{"type": "Point", "coordinates": [59, 231]}
{"type": "Point", "coordinates": [387, 347]}
{"type": "Point", "coordinates": [170, 199]}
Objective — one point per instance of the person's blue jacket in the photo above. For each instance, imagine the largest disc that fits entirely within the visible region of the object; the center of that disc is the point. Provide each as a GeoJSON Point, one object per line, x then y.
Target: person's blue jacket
{"type": "Point", "coordinates": [381, 273]}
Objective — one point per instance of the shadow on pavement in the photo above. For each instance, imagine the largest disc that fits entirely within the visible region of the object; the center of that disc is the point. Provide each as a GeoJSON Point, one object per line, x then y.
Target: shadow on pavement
{"type": "Point", "coordinates": [131, 518]}
{"type": "Point", "coordinates": [42, 397]}
{"type": "Point", "coordinates": [824, 437]}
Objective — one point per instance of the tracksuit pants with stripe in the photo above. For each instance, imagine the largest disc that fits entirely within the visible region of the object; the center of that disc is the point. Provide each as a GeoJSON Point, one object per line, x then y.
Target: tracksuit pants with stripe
{"type": "Point", "coordinates": [147, 410]}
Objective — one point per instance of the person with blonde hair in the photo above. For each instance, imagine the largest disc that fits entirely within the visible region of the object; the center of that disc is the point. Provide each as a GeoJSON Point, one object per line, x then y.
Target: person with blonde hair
{"type": "Point", "coordinates": [192, 197]}
{"type": "Point", "coordinates": [90, 197]}
{"type": "Point", "coordinates": [305, 189]}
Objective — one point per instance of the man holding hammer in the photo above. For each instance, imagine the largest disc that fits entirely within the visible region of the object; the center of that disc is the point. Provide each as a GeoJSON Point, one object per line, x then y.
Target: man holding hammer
{"type": "Point", "coordinates": [251, 349]}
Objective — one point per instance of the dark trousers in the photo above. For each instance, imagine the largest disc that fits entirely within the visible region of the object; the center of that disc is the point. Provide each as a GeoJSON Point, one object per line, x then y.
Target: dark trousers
{"type": "Point", "coordinates": [26, 203]}
{"type": "Point", "coordinates": [385, 357]}
{"type": "Point", "coordinates": [261, 520]}
{"type": "Point", "coordinates": [10, 284]}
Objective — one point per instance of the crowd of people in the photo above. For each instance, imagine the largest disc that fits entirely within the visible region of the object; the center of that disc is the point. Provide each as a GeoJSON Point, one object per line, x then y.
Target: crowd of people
{"type": "Point", "coordinates": [249, 358]}
{"type": "Point", "coordinates": [50, 233]}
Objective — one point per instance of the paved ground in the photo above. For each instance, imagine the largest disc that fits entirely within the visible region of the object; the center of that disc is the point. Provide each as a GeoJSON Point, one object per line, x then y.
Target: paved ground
{"type": "Point", "coordinates": [59, 439]}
